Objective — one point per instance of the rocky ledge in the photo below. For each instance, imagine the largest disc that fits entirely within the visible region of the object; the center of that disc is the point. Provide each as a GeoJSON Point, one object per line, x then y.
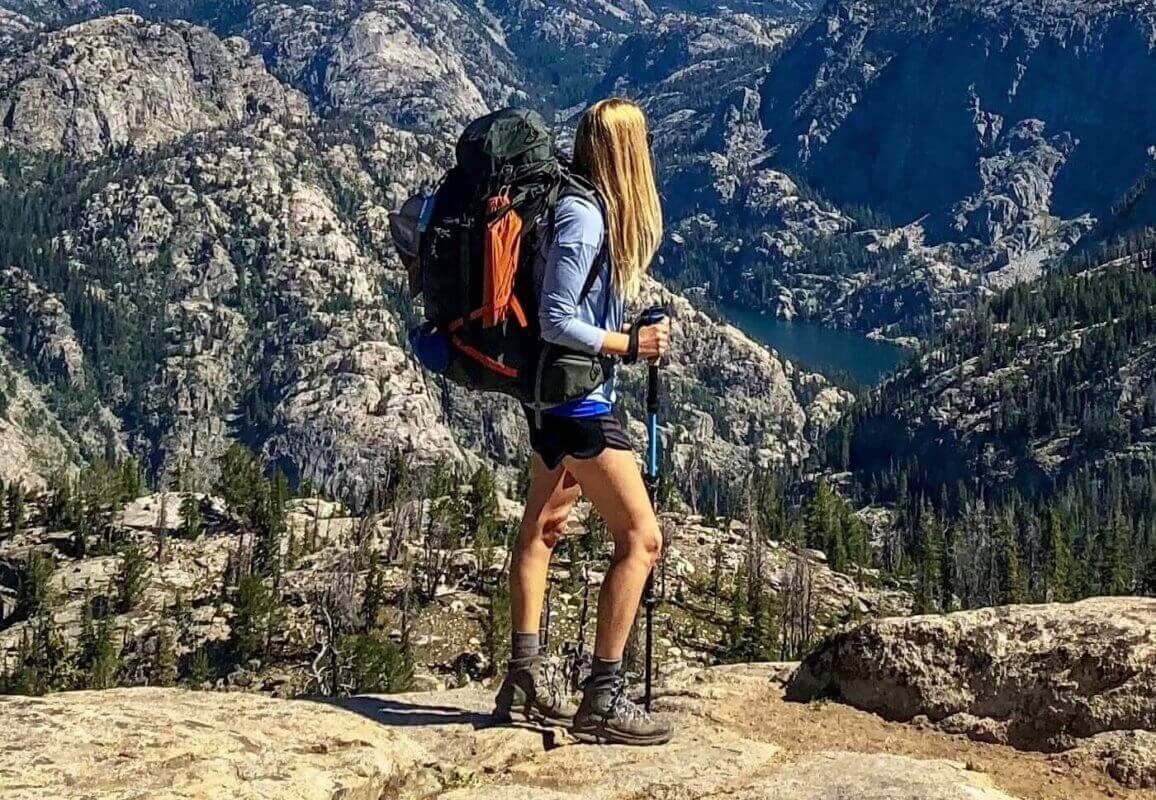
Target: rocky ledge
{"type": "Point", "coordinates": [1054, 671]}
{"type": "Point", "coordinates": [168, 744]}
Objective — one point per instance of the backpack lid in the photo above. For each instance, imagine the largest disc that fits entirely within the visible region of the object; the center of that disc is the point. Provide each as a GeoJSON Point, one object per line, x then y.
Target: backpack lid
{"type": "Point", "coordinates": [507, 146]}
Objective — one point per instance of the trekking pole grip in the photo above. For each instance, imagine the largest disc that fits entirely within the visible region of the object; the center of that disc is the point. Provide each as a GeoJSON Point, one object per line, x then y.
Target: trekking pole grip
{"type": "Point", "coordinates": [652, 316]}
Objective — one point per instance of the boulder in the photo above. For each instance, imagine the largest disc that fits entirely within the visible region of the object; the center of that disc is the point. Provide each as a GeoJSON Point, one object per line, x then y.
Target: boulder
{"type": "Point", "coordinates": [1036, 677]}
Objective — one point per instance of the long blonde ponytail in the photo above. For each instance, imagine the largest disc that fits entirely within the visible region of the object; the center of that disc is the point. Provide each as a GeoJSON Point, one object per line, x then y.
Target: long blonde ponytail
{"type": "Point", "coordinates": [612, 148]}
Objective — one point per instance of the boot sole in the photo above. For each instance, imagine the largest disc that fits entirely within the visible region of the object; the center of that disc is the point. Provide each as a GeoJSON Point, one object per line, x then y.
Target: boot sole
{"type": "Point", "coordinates": [621, 737]}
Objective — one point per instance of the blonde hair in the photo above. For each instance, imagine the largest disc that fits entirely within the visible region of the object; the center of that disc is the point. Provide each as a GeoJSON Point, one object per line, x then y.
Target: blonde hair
{"type": "Point", "coordinates": [612, 149]}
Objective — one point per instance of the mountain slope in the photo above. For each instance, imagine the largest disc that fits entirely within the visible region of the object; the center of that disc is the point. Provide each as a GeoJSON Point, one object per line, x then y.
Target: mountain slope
{"type": "Point", "coordinates": [1018, 452]}
{"type": "Point", "coordinates": [1050, 380]}
{"type": "Point", "coordinates": [888, 163]}
{"type": "Point", "coordinates": [994, 118]}
{"type": "Point", "coordinates": [237, 283]}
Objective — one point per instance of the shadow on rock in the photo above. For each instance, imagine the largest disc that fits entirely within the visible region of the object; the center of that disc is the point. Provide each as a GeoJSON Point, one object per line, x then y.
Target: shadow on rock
{"type": "Point", "coordinates": [404, 714]}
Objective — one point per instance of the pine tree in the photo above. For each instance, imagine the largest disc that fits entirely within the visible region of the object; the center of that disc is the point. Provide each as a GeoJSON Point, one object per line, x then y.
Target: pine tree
{"type": "Point", "coordinates": [41, 659]}
{"type": "Point", "coordinates": [820, 517]}
{"type": "Point", "coordinates": [497, 625]}
{"type": "Point", "coordinates": [1116, 567]}
{"type": "Point", "coordinates": [100, 656]}
{"type": "Point", "coordinates": [1010, 576]}
{"type": "Point", "coordinates": [200, 668]}
{"type": "Point", "coordinates": [376, 665]}
{"type": "Point", "coordinates": [856, 539]}
{"type": "Point", "coordinates": [929, 562]}
{"type": "Point", "coordinates": [736, 651]}
{"type": "Point", "coordinates": [192, 519]}
{"type": "Point", "coordinates": [1057, 560]}
{"type": "Point", "coordinates": [14, 506]}
{"type": "Point", "coordinates": [132, 579]}
{"type": "Point", "coordinates": [256, 617]}
{"type": "Point", "coordinates": [165, 670]}
{"type": "Point", "coordinates": [716, 573]}
{"type": "Point", "coordinates": [34, 593]}
{"type": "Point", "coordinates": [374, 599]}
{"type": "Point", "coordinates": [482, 504]}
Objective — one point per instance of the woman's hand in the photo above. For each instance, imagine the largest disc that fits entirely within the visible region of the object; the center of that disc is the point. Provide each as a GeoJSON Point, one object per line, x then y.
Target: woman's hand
{"type": "Point", "coordinates": [654, 340]}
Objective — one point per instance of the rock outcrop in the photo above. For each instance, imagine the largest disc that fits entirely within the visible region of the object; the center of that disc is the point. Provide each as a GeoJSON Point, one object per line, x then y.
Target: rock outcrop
{"type": "Point", "coordinates": [167, 744]}
{"type": "Point", "coordinates": [121, 81]}
{"type": "Point", "coordinates": [1045, 678]}
{"type": "Point", "coordinates": [428, 66]}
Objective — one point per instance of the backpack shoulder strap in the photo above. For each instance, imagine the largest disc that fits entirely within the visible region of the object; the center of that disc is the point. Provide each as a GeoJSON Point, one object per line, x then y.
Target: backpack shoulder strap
{"type": "Point", "coordinates": [574, 185]}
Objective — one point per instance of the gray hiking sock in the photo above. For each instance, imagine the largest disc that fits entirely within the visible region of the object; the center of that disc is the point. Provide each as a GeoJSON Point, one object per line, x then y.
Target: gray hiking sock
{"type": "Point", "coordinates": [524, 647]}
{"type": "Point", "coordinates": [603, 674]}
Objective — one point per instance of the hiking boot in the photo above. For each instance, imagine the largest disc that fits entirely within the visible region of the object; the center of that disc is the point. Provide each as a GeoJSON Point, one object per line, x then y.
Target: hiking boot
{"type": "Point", "coordinates": [608, 716]}
{"type": "Point", "coordinates": [528, 694]}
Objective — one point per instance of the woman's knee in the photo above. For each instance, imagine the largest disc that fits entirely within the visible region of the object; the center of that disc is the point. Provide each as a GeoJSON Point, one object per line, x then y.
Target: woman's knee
{"type": "Point", "coordinates": [642, 542]}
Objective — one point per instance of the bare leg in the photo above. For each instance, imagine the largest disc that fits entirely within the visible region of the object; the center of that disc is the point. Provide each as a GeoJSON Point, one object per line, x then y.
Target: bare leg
{"type": "Point", "coordinates": [613, 482]}
{"type": "Point", "coordinates": [551, 498]}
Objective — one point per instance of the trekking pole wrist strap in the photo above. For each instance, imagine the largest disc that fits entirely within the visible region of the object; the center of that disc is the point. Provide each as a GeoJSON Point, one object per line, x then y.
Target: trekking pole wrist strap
{"type": "Point", "coordinates": [632, 351]}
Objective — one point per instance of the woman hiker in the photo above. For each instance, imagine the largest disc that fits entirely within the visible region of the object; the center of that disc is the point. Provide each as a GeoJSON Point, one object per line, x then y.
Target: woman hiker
{"type": "Point", "coordinates": [581, 448]}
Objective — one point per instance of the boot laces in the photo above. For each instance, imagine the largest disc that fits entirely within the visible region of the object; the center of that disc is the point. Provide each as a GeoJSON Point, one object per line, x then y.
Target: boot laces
{"type": "Point", "coordinates": [621, 706]}
{"type": "Point", "coordinates": [548, 681]}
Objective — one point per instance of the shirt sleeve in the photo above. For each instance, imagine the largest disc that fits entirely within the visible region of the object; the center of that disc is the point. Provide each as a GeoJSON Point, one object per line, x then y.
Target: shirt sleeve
{"type": "Point", "coordinates": [578, 235]}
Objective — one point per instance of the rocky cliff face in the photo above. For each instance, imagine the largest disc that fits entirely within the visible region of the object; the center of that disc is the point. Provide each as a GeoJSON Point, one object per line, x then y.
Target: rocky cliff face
{"type": "Point", "coordinates": [941, 148]}
{"type": "Point", "coordinates": [58, 93]}
{"type": "Point", "coordinates": [428, 66]}
{"type": "Point", "coordinates": [979, 115]}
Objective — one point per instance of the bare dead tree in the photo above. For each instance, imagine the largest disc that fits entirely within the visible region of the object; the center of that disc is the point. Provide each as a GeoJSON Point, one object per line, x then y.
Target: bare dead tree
{"type": "Point", "coordinates": [337, 613]}
{"type": "Point", "coordinates": [442, 531]}
{"type": "Point", "coordinates": [162, 527]}
{"type": "Point", "coordinates": [408, 517]}
{"type": "Point", "coordinates": [798, 610]}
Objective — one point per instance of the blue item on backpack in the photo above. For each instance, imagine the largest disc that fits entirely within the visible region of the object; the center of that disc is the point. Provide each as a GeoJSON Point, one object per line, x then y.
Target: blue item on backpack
{"type": "Point", "coordinates": [431, 347]}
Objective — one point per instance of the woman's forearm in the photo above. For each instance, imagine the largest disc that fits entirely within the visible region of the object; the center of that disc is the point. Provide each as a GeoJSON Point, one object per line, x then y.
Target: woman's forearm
{"type": "Point", "coordinates": [615, 344]}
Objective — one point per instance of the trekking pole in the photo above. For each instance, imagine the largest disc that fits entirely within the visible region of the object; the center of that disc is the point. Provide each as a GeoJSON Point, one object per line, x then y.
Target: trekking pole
{"type": "Point", "coordinates": [651, 316]}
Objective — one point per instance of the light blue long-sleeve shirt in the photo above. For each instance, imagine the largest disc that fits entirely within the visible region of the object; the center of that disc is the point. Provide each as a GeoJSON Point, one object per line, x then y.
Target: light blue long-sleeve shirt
{"type": "Point", "coordinates": [567, 319]}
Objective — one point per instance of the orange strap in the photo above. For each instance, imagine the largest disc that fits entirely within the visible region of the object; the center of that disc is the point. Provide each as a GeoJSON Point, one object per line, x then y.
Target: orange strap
{"type": "Point", "coordinates": [513, 306]}
{"type": "Point", "coordinates": [483, 359]}
{"type": "Point", "coordinates": [503, 252]}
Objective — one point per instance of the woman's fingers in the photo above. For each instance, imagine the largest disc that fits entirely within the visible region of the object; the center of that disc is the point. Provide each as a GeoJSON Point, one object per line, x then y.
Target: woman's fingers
{"type": "Point", "coordinates": [663, 337]}
{"type": "Point", "coordinates": [654, 341]}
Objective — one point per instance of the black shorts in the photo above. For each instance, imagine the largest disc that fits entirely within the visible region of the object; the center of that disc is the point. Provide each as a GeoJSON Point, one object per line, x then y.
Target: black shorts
{"type": "Point", "coordinates": [583, 438]}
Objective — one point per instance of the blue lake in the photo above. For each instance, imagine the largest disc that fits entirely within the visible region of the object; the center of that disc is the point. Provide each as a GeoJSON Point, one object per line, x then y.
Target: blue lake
{"type": "Point", "coordinates": [822, 349]}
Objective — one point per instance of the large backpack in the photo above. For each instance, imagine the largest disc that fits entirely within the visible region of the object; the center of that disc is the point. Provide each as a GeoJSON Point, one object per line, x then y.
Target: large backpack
{"type": "Point", "coordinates": [478, 236]}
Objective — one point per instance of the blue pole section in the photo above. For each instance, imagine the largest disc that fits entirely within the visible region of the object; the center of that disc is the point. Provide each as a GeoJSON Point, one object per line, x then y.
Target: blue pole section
{"type": "Point", "coordinates": [651, 317]}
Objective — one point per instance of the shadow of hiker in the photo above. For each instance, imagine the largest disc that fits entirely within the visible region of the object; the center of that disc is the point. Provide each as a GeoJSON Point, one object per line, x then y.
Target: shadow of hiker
{"type": "Point", "coordinates": [396, 713]}
{"type": "Point", "coordinates": [403, 714]}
